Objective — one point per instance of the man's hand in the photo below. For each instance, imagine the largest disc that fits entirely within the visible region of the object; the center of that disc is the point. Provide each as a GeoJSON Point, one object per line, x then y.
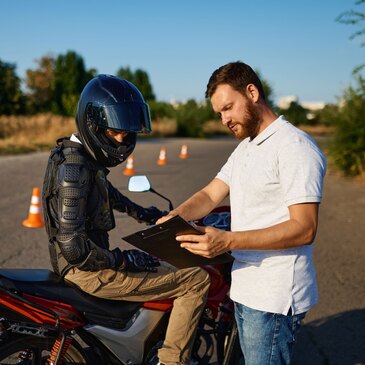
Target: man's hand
{"type": "Point", "coordinates": [138, 261]}
{"type": "Point", "coordinates": [210, 244]}
{"type": "Point", "coordinates": [171, 214]}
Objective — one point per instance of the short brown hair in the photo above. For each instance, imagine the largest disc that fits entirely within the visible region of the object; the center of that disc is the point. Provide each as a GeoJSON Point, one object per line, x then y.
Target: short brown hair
{"type": "Point", "coordinates": [236, 74]}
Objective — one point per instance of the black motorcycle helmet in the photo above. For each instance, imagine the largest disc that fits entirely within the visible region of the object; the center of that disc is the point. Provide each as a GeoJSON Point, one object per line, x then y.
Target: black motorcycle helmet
{"type": "Point", "coordinates": [109, 102]}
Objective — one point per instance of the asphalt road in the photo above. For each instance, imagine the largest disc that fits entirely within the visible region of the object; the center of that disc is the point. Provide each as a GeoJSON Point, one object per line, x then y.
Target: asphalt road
{"type": "Point", "coordinates": [333, 331]}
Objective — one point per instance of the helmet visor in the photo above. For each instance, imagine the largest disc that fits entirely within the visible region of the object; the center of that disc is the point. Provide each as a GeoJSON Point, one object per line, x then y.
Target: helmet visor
{"type": "Point", "coordinates": [130, 117]}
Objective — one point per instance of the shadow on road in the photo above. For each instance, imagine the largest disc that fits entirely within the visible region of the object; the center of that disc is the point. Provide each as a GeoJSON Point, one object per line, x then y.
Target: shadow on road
{"type": "Point", "coordinates": [338, 339]}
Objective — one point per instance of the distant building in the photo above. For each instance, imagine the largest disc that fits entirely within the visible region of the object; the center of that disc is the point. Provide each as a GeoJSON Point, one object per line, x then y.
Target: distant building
{"type": "Point", "coordinates": [313, 105]}
{"type": "Point", "coordinates": [285, 101]}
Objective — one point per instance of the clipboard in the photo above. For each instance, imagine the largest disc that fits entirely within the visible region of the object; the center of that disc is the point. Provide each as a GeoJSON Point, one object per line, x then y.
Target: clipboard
{"type": "Point", "coordinates": [160, 241]}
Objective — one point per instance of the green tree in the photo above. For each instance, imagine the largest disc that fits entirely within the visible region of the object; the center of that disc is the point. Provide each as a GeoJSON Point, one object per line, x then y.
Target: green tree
{"type": "Point", "coordinates": [161, 110]}
{"type": "Point", "coordinates": [295, 113]}
{"type": "Point", "coordinates": [40, 83]}
{"type": "Point", "coordinates": [11, 96]}
{"type": "Point", "coordinates": [70, 77]}
{"type": "Point", "coordinates": [326, 115]}
{"type": "Point", "coordinates": [191, 117]}
{"type": "Point", "coordinates": [140, 79]}
{"type": "Point", "coordinates": [348, 145]}
{"type": "Point", "coordinates": [355, 17]}
{"type": "Point", "coordinates": [126, 73]}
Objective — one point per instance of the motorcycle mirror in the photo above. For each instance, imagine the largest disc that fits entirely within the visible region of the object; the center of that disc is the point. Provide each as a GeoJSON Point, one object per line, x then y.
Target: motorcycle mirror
{"type": "Point", "coordinates": [139, 184]}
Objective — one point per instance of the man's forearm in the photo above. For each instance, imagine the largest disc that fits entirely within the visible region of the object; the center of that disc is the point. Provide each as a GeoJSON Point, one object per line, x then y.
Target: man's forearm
{"type": "Point", "coordinates": [196, 206]}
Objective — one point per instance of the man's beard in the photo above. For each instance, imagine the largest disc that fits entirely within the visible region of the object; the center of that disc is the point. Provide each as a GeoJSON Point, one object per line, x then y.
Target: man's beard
{"type": "Point", "coordinates": [250, 125]}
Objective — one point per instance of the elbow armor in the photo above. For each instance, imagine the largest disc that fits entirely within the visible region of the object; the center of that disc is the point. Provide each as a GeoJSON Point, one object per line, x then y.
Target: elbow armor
{"type": "Point", "coordinates": [73, 186]}
{"type": "Point", "coordinates": [81, 252]}
{"type": "Point", "coordinates": [74, 181]}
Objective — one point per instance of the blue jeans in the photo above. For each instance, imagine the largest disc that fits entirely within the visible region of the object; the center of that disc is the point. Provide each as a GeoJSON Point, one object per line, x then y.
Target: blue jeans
{"type": "Point", "coordinates": [266, 338]}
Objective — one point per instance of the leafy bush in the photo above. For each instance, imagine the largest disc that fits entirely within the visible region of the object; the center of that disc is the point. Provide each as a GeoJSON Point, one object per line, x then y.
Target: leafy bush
{"type": "Point", "coordinates": [296, 114]}
{"type": "Point", "coordinates": [161, 109]}
{"type": "Point", "coordinates": [190, 118]}
{"type": "Point", "coordinates": [348, 145]}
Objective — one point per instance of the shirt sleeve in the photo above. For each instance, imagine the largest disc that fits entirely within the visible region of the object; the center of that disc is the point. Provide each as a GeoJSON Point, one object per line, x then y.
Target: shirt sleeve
{"type": "Point", "coordinates": [225, 172]}
{"type": "Point", "coordinates": [302, 167]}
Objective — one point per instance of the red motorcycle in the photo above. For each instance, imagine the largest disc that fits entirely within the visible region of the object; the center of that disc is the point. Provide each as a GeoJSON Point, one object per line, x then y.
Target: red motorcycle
{"type": "Point", "coordinates": [45, 320]}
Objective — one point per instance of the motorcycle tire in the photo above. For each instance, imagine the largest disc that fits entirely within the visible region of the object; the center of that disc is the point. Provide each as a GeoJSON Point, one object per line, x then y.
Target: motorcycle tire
{"type": "Point", "coordinates": [12, 349]}
{"type": "Point", "coordinates": [228, 345]}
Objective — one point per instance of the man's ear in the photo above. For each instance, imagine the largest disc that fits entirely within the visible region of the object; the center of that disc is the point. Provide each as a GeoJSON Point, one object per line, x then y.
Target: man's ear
{"type": "Point", "coordinates": [252, 92]}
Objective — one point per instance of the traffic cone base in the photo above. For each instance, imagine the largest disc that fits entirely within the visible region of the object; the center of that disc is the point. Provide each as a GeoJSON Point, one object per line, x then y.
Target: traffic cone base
{"type": "Point", "coordinates": [129, 169]}
{"type": "Point", "coordinates": [34, 219]}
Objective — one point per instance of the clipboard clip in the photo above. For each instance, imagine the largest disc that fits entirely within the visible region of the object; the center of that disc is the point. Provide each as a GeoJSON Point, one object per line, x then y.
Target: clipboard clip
{"type": "Point", "coordinates": [152, 232]}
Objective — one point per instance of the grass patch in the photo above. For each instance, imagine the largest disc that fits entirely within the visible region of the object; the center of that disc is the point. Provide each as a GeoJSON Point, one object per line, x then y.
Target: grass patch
{"type": "Point", "coordinates": [22, 134]}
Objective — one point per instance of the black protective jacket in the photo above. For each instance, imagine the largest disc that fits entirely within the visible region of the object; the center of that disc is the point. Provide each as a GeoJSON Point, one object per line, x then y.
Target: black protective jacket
{"type": "Point", "coordinates": [78, 203]}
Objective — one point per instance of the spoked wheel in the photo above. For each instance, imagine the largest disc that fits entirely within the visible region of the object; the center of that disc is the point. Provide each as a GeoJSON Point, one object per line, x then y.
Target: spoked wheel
{"type": "Point", "coordinates": [30, 350]}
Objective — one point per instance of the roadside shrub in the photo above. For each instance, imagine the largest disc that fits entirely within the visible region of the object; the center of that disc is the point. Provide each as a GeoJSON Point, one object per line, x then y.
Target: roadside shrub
{"type": "Point", "coordinates": [191, 117]}
{"type": "Point", "coordinates": [348, 145]}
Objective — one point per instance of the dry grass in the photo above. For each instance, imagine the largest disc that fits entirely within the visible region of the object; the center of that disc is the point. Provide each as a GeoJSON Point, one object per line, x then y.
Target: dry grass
{"type": "Point", "coordinates": [20, 134]}
{"type": "Point", "coordinates": [215, 127]}
{"type": "Point", "coordinates": [163, 127]}
{"type": "Point", "coordinates": [317, 130]}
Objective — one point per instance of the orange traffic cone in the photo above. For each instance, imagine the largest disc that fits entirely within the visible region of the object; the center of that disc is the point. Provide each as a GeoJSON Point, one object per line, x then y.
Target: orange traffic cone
{"type": "Point", "coordinates": [184, 151]}
{"type": "Point", "coordinates": [162, 157]}
{"type": "Point", "coordinates": [34, 219]}
{"type": "Point", "coordinates": [129, 169]}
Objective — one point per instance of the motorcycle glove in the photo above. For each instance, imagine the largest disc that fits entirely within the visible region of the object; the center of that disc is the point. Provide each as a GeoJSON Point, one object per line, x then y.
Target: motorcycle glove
{"type": "Point", "coordinates": [150, 215]}
{"type": "Point", "coordinates": [138, 261]}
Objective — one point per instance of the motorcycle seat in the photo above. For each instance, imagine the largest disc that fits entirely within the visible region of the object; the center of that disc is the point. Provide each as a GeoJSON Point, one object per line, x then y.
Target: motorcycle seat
{"type": "Point", "coordinates": [46, 284]}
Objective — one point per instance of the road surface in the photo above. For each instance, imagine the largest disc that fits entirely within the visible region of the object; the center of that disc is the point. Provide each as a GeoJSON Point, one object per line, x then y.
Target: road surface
{"type": "Point", "coordinates": [334, 330]}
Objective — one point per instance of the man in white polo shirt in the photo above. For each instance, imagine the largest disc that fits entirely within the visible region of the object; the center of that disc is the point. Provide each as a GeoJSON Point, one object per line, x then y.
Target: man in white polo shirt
{"type": "Point", "coordinates": [274, 178]}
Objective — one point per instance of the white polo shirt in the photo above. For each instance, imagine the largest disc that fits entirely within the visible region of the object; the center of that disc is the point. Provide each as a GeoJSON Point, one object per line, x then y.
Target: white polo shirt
{"type": "Point", "coordinates": [282, 166]}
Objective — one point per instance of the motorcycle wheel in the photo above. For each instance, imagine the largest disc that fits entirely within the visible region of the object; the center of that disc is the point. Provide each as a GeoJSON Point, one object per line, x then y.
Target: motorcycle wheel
{"type": "Point", "coordinates": [13, 351]}
{"type": "Point", "coordinates": [228, 345]}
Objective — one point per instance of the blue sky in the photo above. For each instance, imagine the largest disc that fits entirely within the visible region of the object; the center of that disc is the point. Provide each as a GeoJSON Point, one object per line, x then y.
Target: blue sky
{"type": "Point", "coordinates": [297, 46]}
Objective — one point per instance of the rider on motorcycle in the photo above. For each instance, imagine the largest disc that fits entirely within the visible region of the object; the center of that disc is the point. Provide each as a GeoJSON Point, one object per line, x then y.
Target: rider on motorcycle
{"type": "Point", "coordinates": [78, 202]}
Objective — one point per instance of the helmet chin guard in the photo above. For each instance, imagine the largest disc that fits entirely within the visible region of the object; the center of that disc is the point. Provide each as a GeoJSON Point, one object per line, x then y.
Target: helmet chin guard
{"type": "Point", "coordinates": [109, 102]}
